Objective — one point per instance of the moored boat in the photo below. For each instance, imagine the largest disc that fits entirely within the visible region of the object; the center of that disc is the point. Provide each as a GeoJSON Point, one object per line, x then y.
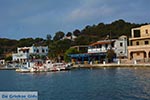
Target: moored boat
{"type": "Point", "coordinates": [23, 70]}
{"type": "Point", "coordinates": [48, 66]}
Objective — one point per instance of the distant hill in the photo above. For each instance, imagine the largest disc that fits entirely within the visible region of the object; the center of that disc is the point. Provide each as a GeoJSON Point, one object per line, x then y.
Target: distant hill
{"type": "Point", "coordinates": [101, 31]}
{"type": "Point", "coordinates": [6, 46]}
{"type": "Point", "coordinates": [115, 29]}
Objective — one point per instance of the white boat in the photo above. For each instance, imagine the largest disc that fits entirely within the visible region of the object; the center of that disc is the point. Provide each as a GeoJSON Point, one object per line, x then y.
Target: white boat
{"type": "Point", "coordinates": [56, 66]}
{"type": "Point", "coordinates": [39, 66]}
{"type": "Point", "coordinates": [23, 70]}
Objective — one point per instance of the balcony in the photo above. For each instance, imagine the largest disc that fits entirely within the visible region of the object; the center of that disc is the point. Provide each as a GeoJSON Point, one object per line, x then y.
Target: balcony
{"type": "Point", "coordinates": [139, 47]}
{"type": "Point", "coordinates": [139, 38]}
{"type": "Point", "coordinates": [21, 55]}
{"type": "Point", "coordinates": [97, 50]}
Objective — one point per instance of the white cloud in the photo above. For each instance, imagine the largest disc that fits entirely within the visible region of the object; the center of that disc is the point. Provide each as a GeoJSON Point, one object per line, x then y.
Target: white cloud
{"type": "Point", "coordinates": [89, 11]}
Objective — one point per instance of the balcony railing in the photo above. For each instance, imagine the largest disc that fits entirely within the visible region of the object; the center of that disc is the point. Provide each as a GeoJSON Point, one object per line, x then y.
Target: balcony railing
{"type": "Point", "coordinates": [139, 47]}
{"type": "Point", "coordinates": [97, 50]}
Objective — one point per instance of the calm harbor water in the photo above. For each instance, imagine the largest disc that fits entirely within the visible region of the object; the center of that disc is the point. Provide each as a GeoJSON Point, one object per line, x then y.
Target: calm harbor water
{"type": "Point", "coordinates": [82, 84]}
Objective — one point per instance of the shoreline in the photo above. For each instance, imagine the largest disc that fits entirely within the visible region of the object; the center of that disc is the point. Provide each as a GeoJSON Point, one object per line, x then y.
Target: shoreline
{"type": "Point", "coordinates": [109, 65]}
{"type": "Point", "coordinates": [4, 68]}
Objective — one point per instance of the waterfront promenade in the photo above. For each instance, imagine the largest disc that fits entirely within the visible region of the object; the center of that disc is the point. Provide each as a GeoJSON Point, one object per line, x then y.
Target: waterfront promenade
{"type": "Point", "coordinates": [110, 65]}
{"type": "Point", "coordinates": [7, 68]}
{"type": "Point", "coordinates": [120, 63]}
{"type": "Point", "coordinates": [104, 65]}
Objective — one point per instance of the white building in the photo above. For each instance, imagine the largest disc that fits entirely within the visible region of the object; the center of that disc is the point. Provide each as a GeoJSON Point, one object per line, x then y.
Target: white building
{"type": "Point", "coordinates": [118, 45]}
{"type": "Point", "coordinates": [24, 52]}
{"type": "Point", "coordinates": [72, 37]}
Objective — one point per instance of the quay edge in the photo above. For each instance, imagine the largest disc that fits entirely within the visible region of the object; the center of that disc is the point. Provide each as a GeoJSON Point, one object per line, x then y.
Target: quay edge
{"type": "Point", "coordinates": [109, 65]}
{"type": "Point", "coordinates": [4, 68]}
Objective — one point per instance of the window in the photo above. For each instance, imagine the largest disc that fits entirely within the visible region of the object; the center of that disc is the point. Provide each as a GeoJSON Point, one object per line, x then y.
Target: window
{"type": "Point", "coordinates": [137, 33]}
{"type": "Point", "coordinates": [100, 46]}
{"type": "Point", "coordinates": [121, 44]}
{"type": "Point", "coordinates": [146, 31]}
{"type": "Point", "coordinates": [106, 45]}
{"type": "Point", "coordinates": [37, 50]}
{"type": "Point", "coordinates": [146, 42]}
{"type": "Point", "coordinates": [138, 53]}
{"type": "Point", "coordinates": [137, 43]}
{"type": "Point", "coordinates": [112, 44]}
{"type": "Point", "coordinates": [131, 42]}
{"type": "Point", "coordinates": [28, 51]}
{"type": "Point", "coordinates": [43, 50]}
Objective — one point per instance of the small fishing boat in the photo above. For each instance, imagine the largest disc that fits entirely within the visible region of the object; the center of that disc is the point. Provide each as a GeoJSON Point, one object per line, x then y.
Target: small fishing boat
{"type": "Point", "coordinates": [57, 66]}
{"type": "Point", "coordinates": [48, 66]}
{"type": "Point", "coordinates": [23, 70]}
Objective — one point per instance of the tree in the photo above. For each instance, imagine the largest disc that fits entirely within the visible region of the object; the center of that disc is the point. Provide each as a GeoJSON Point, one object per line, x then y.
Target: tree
{"type": "Point", "coordinates": [76, 32]}
{"type": "Point", "coordinates": [69, 51]}
{"type": "Point", "coordinates": [69, 34]}
{"type": "Point", "coordinates": [48, 37]}
{"type": "Point", "coordinates": [62, 46]}
{"type": "Point", "coordinates": [9, 58]}
{"type": "Point", "coordinates": [58, 35]}
{"type": "Point", "coordinates": [25, 42]}
{"type": "Point", "coordinates": [58, 48]}
{"type": "Point", "coordinates": [110, 55]}
{"type": "Point", "coordinates": [39, 41]}
{"type": "Point", "coordinates": [85, 40]}
{"type": "Point", "coordinates": [52, 54]}
{"type": "Point", "coordinates": [1, 52]}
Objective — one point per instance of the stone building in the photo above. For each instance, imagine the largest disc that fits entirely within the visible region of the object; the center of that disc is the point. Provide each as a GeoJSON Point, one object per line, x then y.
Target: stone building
{"type": "Point", "coordinates": [139, 43]}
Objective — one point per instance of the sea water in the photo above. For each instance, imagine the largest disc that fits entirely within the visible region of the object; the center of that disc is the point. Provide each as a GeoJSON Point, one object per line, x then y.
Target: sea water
{"type": "Point", "coordinates": [81, 84]}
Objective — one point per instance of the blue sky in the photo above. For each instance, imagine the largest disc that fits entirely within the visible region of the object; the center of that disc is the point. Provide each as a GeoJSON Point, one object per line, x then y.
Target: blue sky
{"type": "Point", "coordinates": [37, 18]}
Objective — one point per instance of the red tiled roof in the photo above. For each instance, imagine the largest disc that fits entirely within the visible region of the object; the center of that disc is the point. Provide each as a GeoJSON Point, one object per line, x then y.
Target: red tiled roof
{"type": "Point", "coordinates": [24, 49]}
{"type": "Point", "coordinates": [101, 42]}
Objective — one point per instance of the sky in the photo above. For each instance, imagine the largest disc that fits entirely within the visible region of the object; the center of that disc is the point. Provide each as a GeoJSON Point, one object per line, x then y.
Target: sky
{"type": "Point", "coordinates": [37, 18]}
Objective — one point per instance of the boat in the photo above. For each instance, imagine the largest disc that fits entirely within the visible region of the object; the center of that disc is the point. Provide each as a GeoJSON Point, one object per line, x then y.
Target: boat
{"type": "Point", "coordinates": [23, 70]}
{"type": "Point", "coordinates": [57, 66]}
{"type": "Point", "coordinates": [48, 66]}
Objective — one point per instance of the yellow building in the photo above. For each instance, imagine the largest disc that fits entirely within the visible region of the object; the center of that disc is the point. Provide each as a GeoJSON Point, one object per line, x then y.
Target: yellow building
{"type": "Point", "coordinates": [139, 43]}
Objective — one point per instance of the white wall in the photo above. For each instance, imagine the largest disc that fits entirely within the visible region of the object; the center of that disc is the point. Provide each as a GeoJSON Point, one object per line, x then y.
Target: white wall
{"type": "Point", "coordinates": [32, 50]}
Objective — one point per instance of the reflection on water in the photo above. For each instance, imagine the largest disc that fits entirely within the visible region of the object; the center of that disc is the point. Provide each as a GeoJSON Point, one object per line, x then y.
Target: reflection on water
{"type": "Point", "coordinates": [82, 84]}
